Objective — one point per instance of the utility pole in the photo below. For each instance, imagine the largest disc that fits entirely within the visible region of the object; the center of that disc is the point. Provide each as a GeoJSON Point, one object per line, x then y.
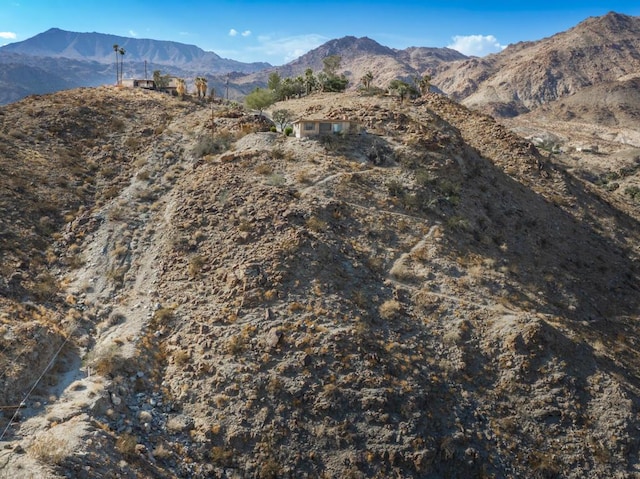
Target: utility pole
{"type": "Point", "coordinates": [145, 69]}
{"type": "Point", "coordinates": [227, 87]}
{"type": "Point", "coordinates": [213, 123]}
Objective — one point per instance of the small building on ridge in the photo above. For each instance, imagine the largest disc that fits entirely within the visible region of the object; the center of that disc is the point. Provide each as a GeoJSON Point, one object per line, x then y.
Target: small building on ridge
{"type": "Point", "coordinates": [305, 127]}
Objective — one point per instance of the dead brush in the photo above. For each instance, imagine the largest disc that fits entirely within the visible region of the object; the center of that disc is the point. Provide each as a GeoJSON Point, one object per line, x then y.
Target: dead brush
{"type": "Point", "coordinates": [50, 449]}
{"type": "Point", "coordinates": [303, 176]}
{"type": "Point", "coordinates": [264, 169]}
{"type": "Point", "coordinates": [316, 224]}
{"type": "Point", "coordinates": [390, 309]}
{"type": "Point", "coordinates": [196, 263]}
{"type": "Point", "coordinates": [126, 445]}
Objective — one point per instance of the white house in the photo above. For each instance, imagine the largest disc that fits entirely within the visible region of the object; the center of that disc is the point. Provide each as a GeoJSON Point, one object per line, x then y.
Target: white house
{"type": "Point", "coordinates": [305, 127]}
{"type": "Point", "coordinates": [138, 83]}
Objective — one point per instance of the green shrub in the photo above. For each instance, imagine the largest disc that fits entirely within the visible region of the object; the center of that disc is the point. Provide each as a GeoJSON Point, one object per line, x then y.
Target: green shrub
{"type": "Point", "coordinates": [276, 179]}
{"type": "Point", "coordinates": [424, 177]}
{"type": "Point", "coordinates": [633, 192]}
{"type": "Point", "coordinates": [288, 131]}
{"type": "Point", "coordinates": [395, 188]}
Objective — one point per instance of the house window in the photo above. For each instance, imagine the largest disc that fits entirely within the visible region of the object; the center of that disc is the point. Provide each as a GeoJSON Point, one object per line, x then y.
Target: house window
{"type": "Point", "coordinates": [337, 127]}
{"type": "Point", "coordinates": [309, 126]}
{"type": "Point", "coordinates": [325, 128]}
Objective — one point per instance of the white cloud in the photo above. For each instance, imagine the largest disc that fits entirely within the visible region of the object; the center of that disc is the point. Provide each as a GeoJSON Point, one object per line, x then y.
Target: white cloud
{"type": "Point", "coordinates": [234, 33]}
{"type": "Point", "coordinates": [288, 48]}
{"type": "Point", "coordinates": [8, 35]}
{"type": "Point", "coordinates": [132, 33]}
{"type": "Point", "coordinates": [477, 45]}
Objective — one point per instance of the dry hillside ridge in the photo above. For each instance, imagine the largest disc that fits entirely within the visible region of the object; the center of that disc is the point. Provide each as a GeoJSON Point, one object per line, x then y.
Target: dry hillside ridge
{"type": "Point", "coordinates": [430, 297]}
{"type": "Point", "coordinates": [526, 75]}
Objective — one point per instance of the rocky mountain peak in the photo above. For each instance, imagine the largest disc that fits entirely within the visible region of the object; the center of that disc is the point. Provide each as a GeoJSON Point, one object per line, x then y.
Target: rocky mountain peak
{"type": "Point", "coordinates": [527, 75]}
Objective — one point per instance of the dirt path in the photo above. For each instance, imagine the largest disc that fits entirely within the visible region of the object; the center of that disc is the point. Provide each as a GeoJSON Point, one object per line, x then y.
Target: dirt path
{"type": "Point", "coordinates": [400, 264]}
{"type": "Point", "coordinates": [119, 268]}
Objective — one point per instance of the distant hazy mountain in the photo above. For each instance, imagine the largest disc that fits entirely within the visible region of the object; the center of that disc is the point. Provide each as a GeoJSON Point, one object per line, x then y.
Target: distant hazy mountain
{"type": "Point", "coordinates": [98, 47]}
{"type": "Point", "coordinates": [22, 75]}
{"type": "Point", "coordinates": [18, 80]}
{"type": "Point", "coordinates": [58, 59]}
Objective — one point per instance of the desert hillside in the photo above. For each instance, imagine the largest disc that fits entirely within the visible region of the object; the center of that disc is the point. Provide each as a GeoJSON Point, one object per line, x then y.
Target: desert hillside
{"type": "Point", "coordinates": [597, 51]}
{"type": "Point", "coordinates": [187, 294]}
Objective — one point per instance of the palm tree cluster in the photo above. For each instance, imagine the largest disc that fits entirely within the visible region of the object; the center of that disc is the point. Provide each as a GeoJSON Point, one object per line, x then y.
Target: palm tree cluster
{"type": "Point", "coordinates": [201, 87]}
{"type": "Point", "coordinates": [367, 79]}
{"type": "Point", "coordinates": [121, 51]}
{"type": "Point", "coordinates": [326, 80]}
{"type": "Point", "coordinates": [181, 87]}
{"type": "Point", "coordinates": [402, 89]}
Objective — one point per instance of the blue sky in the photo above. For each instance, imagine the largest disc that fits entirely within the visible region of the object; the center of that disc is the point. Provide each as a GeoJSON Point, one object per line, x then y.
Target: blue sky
{"type": "Point", "coordinates": [278, 31]}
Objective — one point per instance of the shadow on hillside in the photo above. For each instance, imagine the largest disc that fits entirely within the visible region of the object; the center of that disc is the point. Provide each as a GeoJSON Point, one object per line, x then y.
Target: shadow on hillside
{"type": "Point", "coordinates": [553, 262]}
{"type": "Point", "coordinates": [581, 275]}
{"type": "Point", "coordinates": [557, 265]}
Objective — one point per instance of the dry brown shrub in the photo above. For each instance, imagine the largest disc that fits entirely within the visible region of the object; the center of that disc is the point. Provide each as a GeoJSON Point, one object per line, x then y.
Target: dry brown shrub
{"type": "Point", "coordinates": [50, 449]}
{"type": "Point", "coordinates": [126, 445]}
{"type": "Point", "coordinates": [264, 169]}
{"type": "Point", "coordinates": [390, 309]}
{"type": "Point", "coordinates": [316, 224]}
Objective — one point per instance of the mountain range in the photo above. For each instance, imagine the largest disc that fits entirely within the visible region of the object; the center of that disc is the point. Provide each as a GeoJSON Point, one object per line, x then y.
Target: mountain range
{"type": "Point", "coordinates": [58, 59]}
{"type": "Point", "coordinates": [98, 47]}
{"type": "Point", "coordinates": [517, 80]}
{"type": "Point", "coordinates": [526, 75]}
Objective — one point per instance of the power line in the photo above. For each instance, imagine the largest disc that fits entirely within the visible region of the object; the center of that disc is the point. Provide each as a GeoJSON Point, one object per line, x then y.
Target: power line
{"type": "Point", "coordinates": [15, 415]}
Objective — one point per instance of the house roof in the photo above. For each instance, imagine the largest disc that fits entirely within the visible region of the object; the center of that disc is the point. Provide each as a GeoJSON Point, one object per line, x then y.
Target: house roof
{"type": "Point", "coordinates": [321, 120]}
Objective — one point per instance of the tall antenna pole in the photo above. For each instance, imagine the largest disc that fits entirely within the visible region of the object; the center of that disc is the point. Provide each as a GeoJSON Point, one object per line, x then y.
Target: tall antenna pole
{"type": "Point", "coordinates": [145, 69]}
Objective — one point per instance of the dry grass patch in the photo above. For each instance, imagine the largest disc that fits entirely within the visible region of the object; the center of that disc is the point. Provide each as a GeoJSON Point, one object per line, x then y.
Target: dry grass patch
{"type": "Point", "coordinates": [264, 169]}
{"type": "Point", "coordinates": [196, 263]}
{"type": "Point", "coordinates": [106, 361]}
{"type": "Point", "coordinates": [50, 449]}
{"type": "Point", "coordinates": [126, 445]}
{"type": "Point", "coordinates": [402, 272]}
{"type": "Point", "coordinates": [303, 176]}
{"type": "Point", "coordinates": [316, 224]}
{"type": "Point", "coordinates": [182, 357]}
{"type": "Point", "coordinates": [390, 309]}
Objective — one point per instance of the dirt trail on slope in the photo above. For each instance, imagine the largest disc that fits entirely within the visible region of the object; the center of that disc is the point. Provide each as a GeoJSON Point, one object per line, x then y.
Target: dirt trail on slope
{"type": "Point", "coordinates": [120, 258]}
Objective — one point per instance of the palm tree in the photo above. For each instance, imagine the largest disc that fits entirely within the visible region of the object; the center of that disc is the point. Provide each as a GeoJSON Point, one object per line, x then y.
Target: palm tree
{"type": "Point", "coordinates": [425, 84]}
{"type": "Point", "coordinates": [299, 85]}
{"type": "Point", "coordinates": [201, 87]}
{"type": "Point", "coordinates": [309, 81]}
{"type": "Point", "coordinates": [181, 87]}
{"type": "Point", "coordinates": [204, 87]}
{"type": "Point", "coordinates": [367, 79]}
{"type": "Point", "coordinates": [122, 51]}
{"type": "Point", "coordinates": [116, 49]}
